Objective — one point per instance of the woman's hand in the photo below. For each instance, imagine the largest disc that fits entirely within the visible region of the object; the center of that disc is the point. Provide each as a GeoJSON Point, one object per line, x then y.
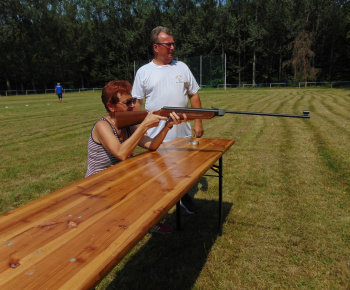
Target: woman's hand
{"type": "Point", "coordinates": [152, 120]}
{"type": "Point", "coordinates": [154, 143]}
{"type": "Point", "coordinates": [175, 119]}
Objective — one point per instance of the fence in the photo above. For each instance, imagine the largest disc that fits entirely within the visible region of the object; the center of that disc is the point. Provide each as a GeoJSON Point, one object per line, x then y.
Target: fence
{"type": "Point", "coordinates": [208, 70]}
{"type": "Point", "coordinates": [334, 84]}
{"type": "Point", "coordinates": [46, 91]}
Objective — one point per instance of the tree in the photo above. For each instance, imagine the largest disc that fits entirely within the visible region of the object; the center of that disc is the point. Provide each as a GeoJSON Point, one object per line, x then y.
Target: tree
{"type": "Point", "coordinates": [302, 58]}
{"type": "Point", "coordinates": [87, 43]}
{"type": "Point", "coordinates": [256, 35]}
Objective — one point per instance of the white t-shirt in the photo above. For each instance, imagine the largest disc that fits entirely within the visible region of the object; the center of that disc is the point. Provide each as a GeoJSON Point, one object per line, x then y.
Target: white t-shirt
{"type": "Point", "coordinates": [165, 85]}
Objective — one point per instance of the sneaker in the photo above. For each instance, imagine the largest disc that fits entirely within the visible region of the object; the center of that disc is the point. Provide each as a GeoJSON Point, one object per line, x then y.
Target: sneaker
{"type": "Point", "coordinates": [188, 205]}
{"type": "Point", "coordinates": [162, 229]}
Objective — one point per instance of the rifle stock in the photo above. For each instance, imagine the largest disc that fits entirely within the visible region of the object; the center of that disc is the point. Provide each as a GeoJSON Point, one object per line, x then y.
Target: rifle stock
{"type": "Point", "coordinates": [126, 119]}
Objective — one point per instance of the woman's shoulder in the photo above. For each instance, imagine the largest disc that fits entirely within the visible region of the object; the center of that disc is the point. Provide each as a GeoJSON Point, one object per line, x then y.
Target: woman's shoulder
{"type": "Point", "coordinates": [103, 123]}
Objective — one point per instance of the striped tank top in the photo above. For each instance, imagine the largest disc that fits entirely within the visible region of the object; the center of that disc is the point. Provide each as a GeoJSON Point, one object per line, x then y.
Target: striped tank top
{"type": "Point", "coordinates": [98, 157]}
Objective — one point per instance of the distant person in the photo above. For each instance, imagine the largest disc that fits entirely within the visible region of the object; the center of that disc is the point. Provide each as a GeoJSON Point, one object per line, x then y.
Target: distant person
{"type": "Point", "coordinates": [109, 144]}
{"type": "Point", "coordinates": [58, 91]}
{"type": "Point", "coordinates": [167, 82]}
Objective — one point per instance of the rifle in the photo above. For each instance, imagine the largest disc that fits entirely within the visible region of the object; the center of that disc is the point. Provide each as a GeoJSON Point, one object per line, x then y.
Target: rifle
{"type": "Point", "coordinates": [125, 119]}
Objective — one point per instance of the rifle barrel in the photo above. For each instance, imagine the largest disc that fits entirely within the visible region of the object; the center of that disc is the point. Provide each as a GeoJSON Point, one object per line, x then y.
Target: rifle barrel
{"type": "Point", "coordinates": [305, 114]}
{"type": "Point", "coordinates": [220, 112]}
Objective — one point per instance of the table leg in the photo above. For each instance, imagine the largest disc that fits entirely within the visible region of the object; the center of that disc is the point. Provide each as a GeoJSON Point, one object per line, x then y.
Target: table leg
{"type": "Point", "coordinates": [178, 216]}
{"type": "Point", "coordinates": [218, 170]}
{"type": "Point", "coordinates": [220, 196]}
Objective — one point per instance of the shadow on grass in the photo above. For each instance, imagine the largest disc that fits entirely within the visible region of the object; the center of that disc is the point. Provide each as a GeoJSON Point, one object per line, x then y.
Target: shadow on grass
{"type": "Point", "coordinates": [174, 261]}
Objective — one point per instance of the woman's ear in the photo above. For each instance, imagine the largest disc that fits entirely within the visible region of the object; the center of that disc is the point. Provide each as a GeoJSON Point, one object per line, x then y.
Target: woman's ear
{"type": "Point", "coordinates": [110, 107]}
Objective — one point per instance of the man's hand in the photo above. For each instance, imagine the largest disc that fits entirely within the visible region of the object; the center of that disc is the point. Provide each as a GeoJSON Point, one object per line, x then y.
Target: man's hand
{"type": "Point", "coordinates": [197, 129]}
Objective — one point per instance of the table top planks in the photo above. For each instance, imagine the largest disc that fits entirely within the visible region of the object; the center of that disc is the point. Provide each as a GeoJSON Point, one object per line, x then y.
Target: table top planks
{"type": "Point", "coordinates": [71, 238]}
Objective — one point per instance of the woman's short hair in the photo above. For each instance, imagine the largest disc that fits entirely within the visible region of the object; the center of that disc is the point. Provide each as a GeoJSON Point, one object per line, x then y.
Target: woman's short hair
{"type": "Point", "coordinates": [113, 89]}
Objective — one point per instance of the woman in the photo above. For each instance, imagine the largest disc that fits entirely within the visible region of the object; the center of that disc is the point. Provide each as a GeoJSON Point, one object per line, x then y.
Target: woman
{"type": "Point", "coordinates": [109, 144]}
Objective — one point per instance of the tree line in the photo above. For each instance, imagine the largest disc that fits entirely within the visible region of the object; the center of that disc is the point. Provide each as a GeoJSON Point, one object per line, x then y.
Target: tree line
{"type": "Point", "coordinates": [87, 43]}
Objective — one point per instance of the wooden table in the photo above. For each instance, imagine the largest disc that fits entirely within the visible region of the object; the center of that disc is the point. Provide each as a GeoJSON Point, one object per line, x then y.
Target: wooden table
{"type": "Point", "coordinates": [71, 238]}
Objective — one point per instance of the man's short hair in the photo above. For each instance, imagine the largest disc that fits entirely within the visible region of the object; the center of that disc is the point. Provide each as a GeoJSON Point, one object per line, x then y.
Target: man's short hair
{"type": "Point", "coordinates": [155, 32]}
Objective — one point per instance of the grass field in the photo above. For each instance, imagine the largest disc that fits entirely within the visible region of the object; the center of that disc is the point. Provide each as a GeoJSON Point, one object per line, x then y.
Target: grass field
{"type": "Point", "coordinates": [286, 189]}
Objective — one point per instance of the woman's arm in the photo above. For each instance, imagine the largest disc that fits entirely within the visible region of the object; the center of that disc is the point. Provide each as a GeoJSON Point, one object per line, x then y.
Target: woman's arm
{"type": "Point", "coordinates": [122, 151]}
{"type": "Point", "coordinates": [153, 144]}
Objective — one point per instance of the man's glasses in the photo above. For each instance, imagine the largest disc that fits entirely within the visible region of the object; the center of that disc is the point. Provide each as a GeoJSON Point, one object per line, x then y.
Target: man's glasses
{"type": "Point", "coordinates": [129, 102]}
{"type": "Point", "coordinates": [166, 44]}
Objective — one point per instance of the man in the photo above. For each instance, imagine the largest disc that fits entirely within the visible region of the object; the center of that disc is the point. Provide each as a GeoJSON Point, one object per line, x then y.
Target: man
{"type": "Point", "coordinates": [166, 82]}
{"type": "Point", "coordinates": [58, 91]}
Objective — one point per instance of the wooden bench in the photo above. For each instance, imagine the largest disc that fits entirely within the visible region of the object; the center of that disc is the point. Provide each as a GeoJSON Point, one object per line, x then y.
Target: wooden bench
{"type": "Point", "coordinates": [71, 238]}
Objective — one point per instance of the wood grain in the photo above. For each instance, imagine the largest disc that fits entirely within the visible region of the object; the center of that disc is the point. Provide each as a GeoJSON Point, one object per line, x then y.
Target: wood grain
{"type": "Point", "coordinates": [72, 237]}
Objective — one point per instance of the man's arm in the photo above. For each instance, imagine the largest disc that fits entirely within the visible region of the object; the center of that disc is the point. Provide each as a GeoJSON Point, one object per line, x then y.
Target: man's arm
{"type": "Point", "coordinates": [197, 129]}
{"type": "Point", "coordinates": [138, 105]}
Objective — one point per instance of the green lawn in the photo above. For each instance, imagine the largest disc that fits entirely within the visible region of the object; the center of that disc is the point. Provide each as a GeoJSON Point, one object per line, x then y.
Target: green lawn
{"type": "Point", "coordinates": [286, 189]}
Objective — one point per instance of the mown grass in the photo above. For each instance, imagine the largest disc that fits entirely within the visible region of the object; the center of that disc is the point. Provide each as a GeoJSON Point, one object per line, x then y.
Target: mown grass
{"type": "Point", "coordinates": [286, 189]}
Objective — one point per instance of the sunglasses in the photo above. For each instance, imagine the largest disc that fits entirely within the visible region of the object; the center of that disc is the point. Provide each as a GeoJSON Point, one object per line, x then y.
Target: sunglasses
{"type": "Point", "coordinates": [129, 102]}
{"type": "Point", "coordinates": [167, 45]}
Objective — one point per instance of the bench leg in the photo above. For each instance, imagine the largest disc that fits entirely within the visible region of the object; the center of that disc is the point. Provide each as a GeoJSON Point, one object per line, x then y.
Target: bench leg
{"type": "Point", "coordinates": [178, 216]}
